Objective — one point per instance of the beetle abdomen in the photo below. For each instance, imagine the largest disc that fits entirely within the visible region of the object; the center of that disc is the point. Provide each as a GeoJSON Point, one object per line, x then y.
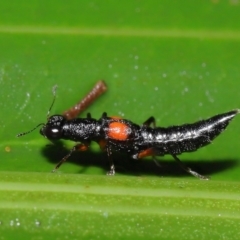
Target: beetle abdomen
{"type": "Point", "coordinates": [189, 137]}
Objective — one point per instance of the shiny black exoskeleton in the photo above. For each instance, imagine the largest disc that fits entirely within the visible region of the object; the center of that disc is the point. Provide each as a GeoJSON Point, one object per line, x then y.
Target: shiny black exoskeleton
{"type": "Point", "coordinates": [116, 134]}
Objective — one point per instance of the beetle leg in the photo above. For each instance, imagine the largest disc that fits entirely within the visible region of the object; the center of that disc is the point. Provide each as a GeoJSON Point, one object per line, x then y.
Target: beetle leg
{"type": "Point", "coordinates": [78, 147]}
{"type": "Point", "coordinates": [104, 115]}
{"type": "Point", "coordinates": [156, 161]}
{"type": "Point", "coordinates": [150, 121]}
{"type": "Point", "coordinates": [189, 170]}
{"type": "Point", "coordinates": [112, 167]}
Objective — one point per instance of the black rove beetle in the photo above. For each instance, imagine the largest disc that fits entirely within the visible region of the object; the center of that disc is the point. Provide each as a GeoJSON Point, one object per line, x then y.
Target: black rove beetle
{"type": "Point", "coordinates": [117, 134]}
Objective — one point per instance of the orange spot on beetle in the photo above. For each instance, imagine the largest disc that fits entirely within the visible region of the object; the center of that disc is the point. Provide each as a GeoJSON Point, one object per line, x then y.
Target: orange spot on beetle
{"type": "Point", "coordinates": [82, 147]}
{"type": "Point", "coordinates": [118, 131]}
{"type": "Point", "coordinates": [146, 153]}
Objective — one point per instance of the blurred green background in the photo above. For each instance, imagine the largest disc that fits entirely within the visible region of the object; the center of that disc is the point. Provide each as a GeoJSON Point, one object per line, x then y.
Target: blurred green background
{"type": "Point", "coordinates": [175, 60]}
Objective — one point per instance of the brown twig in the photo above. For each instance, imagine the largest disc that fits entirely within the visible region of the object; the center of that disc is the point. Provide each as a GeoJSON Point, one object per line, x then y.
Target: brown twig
{"type": "Point", "coordinates": [99, 88]}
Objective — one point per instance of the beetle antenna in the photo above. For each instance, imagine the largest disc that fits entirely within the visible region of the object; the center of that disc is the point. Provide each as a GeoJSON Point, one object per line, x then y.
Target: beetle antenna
{"type": "Point", "coordinates": [54, 97]}
{"type": "Point", "coordinates": [48, 113]}
{"type": "Point", "coordinates": [24, 133]}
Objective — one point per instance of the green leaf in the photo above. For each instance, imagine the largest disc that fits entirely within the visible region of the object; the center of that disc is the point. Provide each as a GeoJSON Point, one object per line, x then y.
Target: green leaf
{"type": "Point", "coordinates": [56, 205]}
{"type": "Point", "coordinates": [177, 61]}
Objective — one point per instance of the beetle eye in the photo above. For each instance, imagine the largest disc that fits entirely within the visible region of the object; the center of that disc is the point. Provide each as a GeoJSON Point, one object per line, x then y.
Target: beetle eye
{"type": "Point", "coordinates": [53, 133]}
